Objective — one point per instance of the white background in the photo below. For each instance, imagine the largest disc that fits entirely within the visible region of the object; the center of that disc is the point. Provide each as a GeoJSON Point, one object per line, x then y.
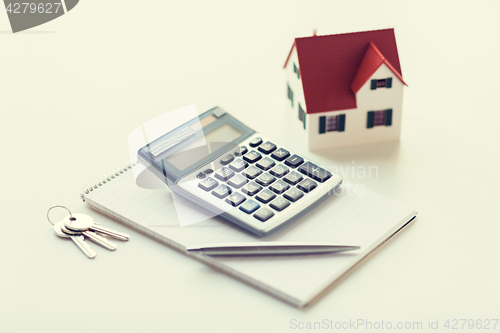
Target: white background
{"type": "Point", "coordinates": [73, 89]}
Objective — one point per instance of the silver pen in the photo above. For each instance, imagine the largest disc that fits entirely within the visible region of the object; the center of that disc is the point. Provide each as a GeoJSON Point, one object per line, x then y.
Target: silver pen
{"type": "Point", "coordinates": [267, 248]}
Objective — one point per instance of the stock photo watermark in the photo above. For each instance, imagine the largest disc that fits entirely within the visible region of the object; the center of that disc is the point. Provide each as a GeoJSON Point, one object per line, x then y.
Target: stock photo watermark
{"type": "Point", "coordinates": [352, 174]}
{"type": "Point", "coordinates": [355, 171]}
{"type": "Point", "coordinates": [365, 324]}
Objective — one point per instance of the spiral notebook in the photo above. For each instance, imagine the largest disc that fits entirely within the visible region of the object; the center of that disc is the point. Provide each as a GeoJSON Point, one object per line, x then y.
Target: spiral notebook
{"type": "Point", "coordinates": [366, 219]}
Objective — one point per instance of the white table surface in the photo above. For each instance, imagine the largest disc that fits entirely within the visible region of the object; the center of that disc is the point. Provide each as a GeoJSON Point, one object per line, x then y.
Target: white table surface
{"type": "Point", "coordinates": [74, 88]}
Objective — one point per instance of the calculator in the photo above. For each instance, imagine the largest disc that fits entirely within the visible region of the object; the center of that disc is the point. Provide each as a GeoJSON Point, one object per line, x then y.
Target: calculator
{"type": "Point", "coordinates": [243, 176]}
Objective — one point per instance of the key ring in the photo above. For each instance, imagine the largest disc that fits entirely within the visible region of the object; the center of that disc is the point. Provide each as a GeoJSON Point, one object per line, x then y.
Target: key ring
{"type": "Point", "coordinates": [58, 206]}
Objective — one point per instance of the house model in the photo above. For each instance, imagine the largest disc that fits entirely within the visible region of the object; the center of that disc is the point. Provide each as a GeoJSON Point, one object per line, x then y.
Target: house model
{"type": "Point", "coordinates": [345, 89]}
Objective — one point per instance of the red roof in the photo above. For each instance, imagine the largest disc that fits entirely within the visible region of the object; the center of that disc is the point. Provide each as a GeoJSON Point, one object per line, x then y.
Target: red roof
{"type": "Point", "coordinates": [371, 62]}
{"type": "Point", "coordinates": [333, 67]}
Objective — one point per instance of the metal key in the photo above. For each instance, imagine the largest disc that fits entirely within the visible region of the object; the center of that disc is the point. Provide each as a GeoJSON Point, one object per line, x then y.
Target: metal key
{"type": "Point", "coordinates": [82, 222]}
{"type": "Point", "coordinates": [99, 240]}
{"type": "Point", "coordinates": [78, 240]}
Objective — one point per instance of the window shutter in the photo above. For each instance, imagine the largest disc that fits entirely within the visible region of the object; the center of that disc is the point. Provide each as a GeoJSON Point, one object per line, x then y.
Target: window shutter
{"type": "Point", "coordinates": [341, 121]}
{"type": "Point", "coordinates": [374, 85]}
{"type": "Point", "coordinates": [388, 117]}
{"type": "Point", "coordinates": [304, 118]}
{"type": "Point", "coordinates": [322, 124]}
{"type": "Point", "coordinates": [370, 119]}
{"type": "Point", "coordinates": [300, 113]}
{"type": "Point", "coordinates": [388, 82]}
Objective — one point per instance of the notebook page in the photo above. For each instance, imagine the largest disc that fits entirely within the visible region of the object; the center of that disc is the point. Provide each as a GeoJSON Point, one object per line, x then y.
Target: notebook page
{"type": "Point", "coordinates": [365, 220]}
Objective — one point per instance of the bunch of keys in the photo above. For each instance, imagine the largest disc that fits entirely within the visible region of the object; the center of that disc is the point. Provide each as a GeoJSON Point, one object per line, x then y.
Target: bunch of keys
{"type": "Point", "coordinates": [78, 226]}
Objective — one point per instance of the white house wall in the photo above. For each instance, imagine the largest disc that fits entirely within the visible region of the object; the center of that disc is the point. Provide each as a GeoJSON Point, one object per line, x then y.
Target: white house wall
{"type": "Point", "coordinates": [356, 131]}
{"type": "Point", "coordinates": [298, 97]}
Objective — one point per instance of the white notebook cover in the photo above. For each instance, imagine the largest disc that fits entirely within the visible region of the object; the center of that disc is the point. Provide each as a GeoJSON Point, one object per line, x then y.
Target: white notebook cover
{"type": "Point", "coordinates": [366, 220]}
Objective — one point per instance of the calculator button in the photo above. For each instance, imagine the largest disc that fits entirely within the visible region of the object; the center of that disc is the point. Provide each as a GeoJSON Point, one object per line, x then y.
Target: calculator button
{"type": "Point", "coordinates": [201, 175]}
{"type": "Point", "coordinates": [279, 171]}
{"type": "Point", "coordinates": [208, 184]}
{"type": "Point", "coordinates": [266, 163]}
{"type": "Point", "coordinates": [227, 159]}
{"type": "Point", "coordinates": [249, 206]}
{"type": "Point", "coordinates": [279, 204]}
{"type": "Point", "coordinates": [293, 178]}
{"type": "Point", "coordinates": [252, 156]}
{"type": "Point", "coordinates": [251, 172]}
{"type": "Point", "coordinates": [279, 187]}
{"type": "Point", "coordinates": [251, 188]}
{"type": "Point", "coordinates": [222, 191]}
{"type": "Point", "coordinates": [240, 151]}
{"type": "Point", "coordinates": [293, 194]}
{"type": "Point", "coordinates": [280, 154]}
{"type": "Point", "coordinates": [267, 147]}
{"type": "Point", "coordinates": [263, 214]}
{"type": "Point", "coordinates": [238, 165]}
{"type": "Point", "coordinates": [265, 196]}
{"type": "Point", "coordinates": [224, 174]}
{"type": "Point", "coordinates": [238, 181]}
{"type": "Point", "coordinates": [265, 179]}
{"type": "Point", "coordinates": [315, 172]}
{"type": "Point", "coordinates": [235, 199]}
{"type": "Point", "coordinates": [208, 171]}
{"type": "Point", "coordinates": [255, 142]}
{"type": "Point", "coordinates": [307, 185]}
{"type": "Point", "coordinates": [294, 161]}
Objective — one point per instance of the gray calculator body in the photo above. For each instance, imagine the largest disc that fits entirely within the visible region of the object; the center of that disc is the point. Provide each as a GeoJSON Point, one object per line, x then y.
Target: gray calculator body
{"type": "Point", "coordinates": [239, 174]}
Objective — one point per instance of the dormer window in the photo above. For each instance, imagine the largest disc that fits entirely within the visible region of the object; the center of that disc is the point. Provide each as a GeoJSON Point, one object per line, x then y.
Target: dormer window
{"type": "Point", "coordinates": [296, 70]}
{"type": "Point", "coordinates": [383, 83]}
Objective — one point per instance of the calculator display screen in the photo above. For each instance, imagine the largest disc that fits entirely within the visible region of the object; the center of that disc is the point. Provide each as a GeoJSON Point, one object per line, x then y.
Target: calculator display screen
{"type": "Point", "coordinates": [204, 146]}
{"type": "Point", "coordinates": [225, 133]}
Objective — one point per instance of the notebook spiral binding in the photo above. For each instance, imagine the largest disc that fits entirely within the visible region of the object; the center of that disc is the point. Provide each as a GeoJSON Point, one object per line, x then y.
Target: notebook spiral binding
{"type": "Point", "coordinates": [106, 178]}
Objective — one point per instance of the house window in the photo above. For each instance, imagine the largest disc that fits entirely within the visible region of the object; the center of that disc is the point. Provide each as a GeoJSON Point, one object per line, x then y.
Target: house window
{"type": "Point", "coordinates": [302, 116]}
{"type": "Point", "coordinates": [379, 118]}
{"type": "Point", "coordinates": [296, 70]}
{"type": "Point", "coordinates": [332, 123]}
{"type": "Point", "coordinates": [290, 94]}
{"type": "Point", "coordinates": [383, 83]}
